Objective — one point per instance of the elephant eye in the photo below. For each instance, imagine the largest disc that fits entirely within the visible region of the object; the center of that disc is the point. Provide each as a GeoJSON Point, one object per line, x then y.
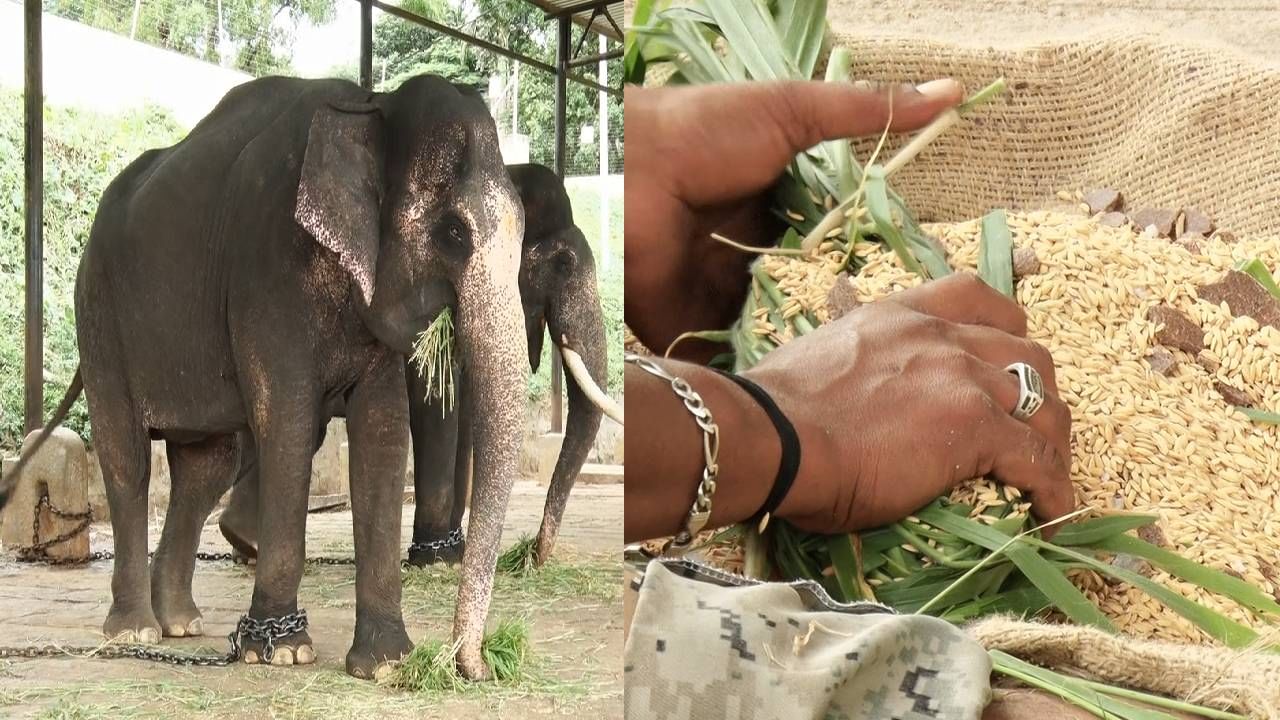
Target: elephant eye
{"type": "Point", "coordinates": [454, 235]}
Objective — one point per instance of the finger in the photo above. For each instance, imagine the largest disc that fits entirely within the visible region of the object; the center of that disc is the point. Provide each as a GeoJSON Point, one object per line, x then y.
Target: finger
{"type": "Point", "coordinates": [1025, 458]}
{"type": "Point", "coordinates": [1001, 350]}
{"type": "Point", "coordinates": [1052, 419]}
{"type": "Point", "coordinates": [964, 298]}
{"type": "Point", "coordinates": [755, 129]}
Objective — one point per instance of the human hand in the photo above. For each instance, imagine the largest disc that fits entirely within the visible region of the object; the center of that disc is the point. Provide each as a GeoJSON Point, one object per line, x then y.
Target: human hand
{"type": "Point", "coordinates": [699, 159]}
{"type": "Point", "coordinates": [900, 400]}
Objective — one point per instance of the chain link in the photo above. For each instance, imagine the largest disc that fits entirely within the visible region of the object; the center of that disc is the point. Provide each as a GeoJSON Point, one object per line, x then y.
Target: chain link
{"type": "Point", "coordinates": [700, 511]}
{"type": "Point", "coordinates": [452, 539]}
{"type": "Point", "coordinates": [266, 630]}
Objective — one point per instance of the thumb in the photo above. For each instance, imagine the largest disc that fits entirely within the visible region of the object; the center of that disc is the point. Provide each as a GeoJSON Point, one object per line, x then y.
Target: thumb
{"type": "Point", "coordinates": [734, 140]}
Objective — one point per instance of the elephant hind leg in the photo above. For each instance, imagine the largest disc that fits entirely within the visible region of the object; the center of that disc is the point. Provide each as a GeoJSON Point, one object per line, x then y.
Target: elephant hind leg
{"type": "Point", "coordinates": [124, 452]}
{"type": "Point", "coordinates": [201, 473]}
{"type": "Point", "coordinates": [239, 522]}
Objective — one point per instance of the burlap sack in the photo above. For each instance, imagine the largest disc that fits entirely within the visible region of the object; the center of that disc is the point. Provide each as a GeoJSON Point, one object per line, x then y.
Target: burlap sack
{"type": "Point", "coordinates": [1167, 124]}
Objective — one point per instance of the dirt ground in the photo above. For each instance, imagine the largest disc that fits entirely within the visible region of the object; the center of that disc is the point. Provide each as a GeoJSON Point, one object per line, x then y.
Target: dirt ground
{"type": "Point", "coordinates": [574, 614]}
{"type": "Point", "coordinates": [1248, 26]}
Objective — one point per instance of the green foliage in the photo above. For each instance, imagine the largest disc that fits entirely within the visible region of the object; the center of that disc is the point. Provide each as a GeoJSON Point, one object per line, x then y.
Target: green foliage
{"type": "Point", "coordinates": [431, 667]}
{"type": "Point", "coordinates": [250, 29]}
{"type": "Point", "coordinates": [402, 49]}
{"type": "Point", "coordinates": [83, 152]}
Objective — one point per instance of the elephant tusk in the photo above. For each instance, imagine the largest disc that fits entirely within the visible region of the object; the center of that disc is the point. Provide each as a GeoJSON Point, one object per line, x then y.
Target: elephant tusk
{"type": "Point", "coordinates": [578, 369]}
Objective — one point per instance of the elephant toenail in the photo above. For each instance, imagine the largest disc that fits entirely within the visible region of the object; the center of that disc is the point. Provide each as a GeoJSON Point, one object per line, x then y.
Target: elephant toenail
{"type": "Point", "coordinates": [196, 627]}
{"type": "Point", "coordinates": [282, 656]}
{"type": "Point", "coordinates": [175, 631]}
{"type": "Point", "coordinates": [382, 671]}
{"type": "Point", "coordinates": [148, 636]}
{"type": "Point", "coordinates": [306, 655]}
{"type": "Point", "coordinates": [250, 657]}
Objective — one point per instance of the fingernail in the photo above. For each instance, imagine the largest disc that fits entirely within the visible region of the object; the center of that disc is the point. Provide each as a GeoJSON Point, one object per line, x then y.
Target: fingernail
{"type": "Point", "coordinates": [942, 88]}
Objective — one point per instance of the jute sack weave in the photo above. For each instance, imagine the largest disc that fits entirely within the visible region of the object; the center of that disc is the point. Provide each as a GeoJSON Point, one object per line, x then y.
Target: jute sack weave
{"type": "Point", "coordinates": [1170, 125]}
{"type": "Point", "coordinates": [1247, 681]}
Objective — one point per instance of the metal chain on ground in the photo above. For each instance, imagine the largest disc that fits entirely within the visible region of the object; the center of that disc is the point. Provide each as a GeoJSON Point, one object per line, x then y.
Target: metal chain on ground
{"type": "Point", "coordinates": [266, 630]}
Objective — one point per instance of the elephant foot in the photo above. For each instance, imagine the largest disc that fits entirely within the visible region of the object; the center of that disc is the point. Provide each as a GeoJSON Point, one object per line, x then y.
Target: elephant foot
{"type": "Point", "coordinates": [131, 625]}
{"type": "Point", "coordinates": [443, 551]}
{"type": "Point", "coordinates": [471, 664]}
{"type": "Point", "coordinates": [295, 649]}
{"type": "Point", "coordinates": [542, 548]}
{"type": "Point", "coordinates": [178, 617]}
{"type": "Point", "coordinates": [377, 645]}
{"type": "Point", "coordinates": [239, 533]}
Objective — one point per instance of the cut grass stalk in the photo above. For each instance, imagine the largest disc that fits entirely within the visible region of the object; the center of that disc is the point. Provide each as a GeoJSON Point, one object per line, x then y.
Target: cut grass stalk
{"type": "Point", "coordinates": [995, 253]}
{"type": "Point", "coordinates": [433, 354]}
{"type": "Point", "coordinates": [432, 668]}
{"type": "Point", "coordinates": [518, 559]}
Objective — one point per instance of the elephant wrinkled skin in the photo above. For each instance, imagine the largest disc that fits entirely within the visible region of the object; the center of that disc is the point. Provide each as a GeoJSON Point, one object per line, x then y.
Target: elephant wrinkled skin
{"type": "Point", "coordinates": [277, 264]}
{"type": "Point", "coordinates": [559, 294]}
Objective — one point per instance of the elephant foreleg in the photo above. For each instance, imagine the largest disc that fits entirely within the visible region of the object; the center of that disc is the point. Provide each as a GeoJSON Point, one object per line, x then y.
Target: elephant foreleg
{"type": "Point", "coordinates": [377, 431]}
{"type": "Point", "coordinates": [285, 435]}
{"type": "Point", "coordinates": [200, 473]}
{"type": "Point", "coordinates": [434, 428]}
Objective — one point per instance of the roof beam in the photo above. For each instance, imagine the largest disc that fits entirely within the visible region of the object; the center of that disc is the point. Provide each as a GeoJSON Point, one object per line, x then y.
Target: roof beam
{"type": "Point", "coordinates": [486, 45]}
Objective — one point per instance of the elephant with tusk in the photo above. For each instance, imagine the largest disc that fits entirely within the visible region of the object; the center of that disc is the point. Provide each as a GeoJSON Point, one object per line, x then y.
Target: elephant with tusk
{"type": "Point", "coordinates": [270, 268]}
{"type": "Point", "coordinates": [558, 294]}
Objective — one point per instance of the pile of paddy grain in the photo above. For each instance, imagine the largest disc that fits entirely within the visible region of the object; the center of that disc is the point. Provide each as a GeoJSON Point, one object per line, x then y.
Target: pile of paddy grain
{"type": "Point", "coordinates": [1148, 435]}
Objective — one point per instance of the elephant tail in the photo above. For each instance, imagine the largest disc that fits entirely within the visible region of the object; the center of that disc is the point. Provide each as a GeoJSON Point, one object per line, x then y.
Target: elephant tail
{"type": "Point", "coordinates": [9, 481]}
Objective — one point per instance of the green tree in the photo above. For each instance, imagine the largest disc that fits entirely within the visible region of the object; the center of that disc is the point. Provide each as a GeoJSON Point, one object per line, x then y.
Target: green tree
{"type": "Point", "coordinates": [259, 32]}
{"type": "Point", "coordinates": [407, 49]}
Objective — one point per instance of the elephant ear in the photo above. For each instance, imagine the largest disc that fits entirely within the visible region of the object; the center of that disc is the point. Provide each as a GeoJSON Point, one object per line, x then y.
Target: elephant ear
{"type": "Point", "coordinates": [340, 192]}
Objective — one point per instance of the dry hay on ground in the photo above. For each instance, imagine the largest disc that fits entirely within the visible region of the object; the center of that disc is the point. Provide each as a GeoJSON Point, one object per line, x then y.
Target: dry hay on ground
{"type": "Point", "coordinates": [1141, 441]}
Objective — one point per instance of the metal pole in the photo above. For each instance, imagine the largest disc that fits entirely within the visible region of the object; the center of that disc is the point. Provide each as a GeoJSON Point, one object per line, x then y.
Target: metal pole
{"type": "Point", "coordinates": [366, 44]}
{"type": "Point", "coordinates": [33, 138]}
{"type": "Point", "coordinates": [605, 260]}
{"type": "Point", "coordinates": [562, 73]}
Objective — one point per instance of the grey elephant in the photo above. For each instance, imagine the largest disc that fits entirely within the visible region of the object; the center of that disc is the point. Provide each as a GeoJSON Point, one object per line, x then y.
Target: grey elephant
{"type": "Point", "coordinates": [559, 294]}
{"type": "Point", "coordinates": [276, 264]}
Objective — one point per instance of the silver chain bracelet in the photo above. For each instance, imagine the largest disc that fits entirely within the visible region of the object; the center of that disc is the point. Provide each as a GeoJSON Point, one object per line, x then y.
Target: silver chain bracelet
{"type": "Point", "coordinates": [700, 511]}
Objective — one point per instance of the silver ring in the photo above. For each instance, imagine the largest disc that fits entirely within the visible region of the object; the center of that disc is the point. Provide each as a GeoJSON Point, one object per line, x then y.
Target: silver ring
{"type": "Point", "coordinates": [1030, 390]}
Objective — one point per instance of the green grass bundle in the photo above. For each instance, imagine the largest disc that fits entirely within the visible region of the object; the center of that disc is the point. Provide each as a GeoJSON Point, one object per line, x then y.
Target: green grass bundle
{"type": "Point", "coordinates": [433, 354]}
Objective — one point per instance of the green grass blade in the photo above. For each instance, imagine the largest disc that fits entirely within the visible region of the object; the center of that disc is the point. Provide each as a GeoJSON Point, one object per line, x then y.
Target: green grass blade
{"type": "Point", "coordinates": [1088, 532]}
{"type": "Point", "coordinates": [1218, 626]}
{"type": "Point", "coordinates": [845, 563]}
{"type": "Point", "coordinates": [802, 25]}
{"type": "Point", "coordinates": [633, 62]}
{"type": "Point", "coordinates": [1212, 580]}
{"type": "Point", "coordinates": [839, 152]}
{"type": "Point", "coordinates": [751, 35]}
{"type": "Point", "coordinates": [1258, 271]}
{"type": "Point", "coordinates": [877, 198]}
{"type": "Point", "coordinates": [1260, 416]}
{"type": "Point", "coordinates": [1043, 574]}
{"type": "Point", "coordinates": [1071, 690]}
{"type": "Point", "coordinates": [995, 253]}
{"type": "Point", "coordinates": [709, 67]}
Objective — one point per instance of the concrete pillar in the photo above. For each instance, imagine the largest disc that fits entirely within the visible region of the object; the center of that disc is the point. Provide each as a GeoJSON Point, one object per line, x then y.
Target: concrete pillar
{"type": "Point", "coordinates": [60, 469]}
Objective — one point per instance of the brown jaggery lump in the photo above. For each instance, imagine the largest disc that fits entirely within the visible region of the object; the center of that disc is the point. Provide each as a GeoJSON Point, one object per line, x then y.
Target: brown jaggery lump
{"type": "Point", "coordinates": [1103, 200]}
{"type": "Point", "coordinates": [1243, 296]}
{"type": "Point", "coordinates": [1233, 395]}
{"type": "Point", "coordinates": [1162, 361]}
{"type": "Point", "coordinates": [1025, 262]}
{"type": "Point", "coordinates": [1178, 331]}
{"type": "Point", "coordinates": [1160, 218]}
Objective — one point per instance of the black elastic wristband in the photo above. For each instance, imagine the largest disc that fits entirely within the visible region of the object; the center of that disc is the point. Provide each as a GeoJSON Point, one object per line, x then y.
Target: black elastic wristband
{"type": "Point", "coordinates": [790, 462]}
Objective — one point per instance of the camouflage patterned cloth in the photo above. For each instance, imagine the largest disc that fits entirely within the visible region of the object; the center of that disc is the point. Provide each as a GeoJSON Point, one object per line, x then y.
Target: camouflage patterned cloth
{"type": "Point", "coordinates": [706, 645]}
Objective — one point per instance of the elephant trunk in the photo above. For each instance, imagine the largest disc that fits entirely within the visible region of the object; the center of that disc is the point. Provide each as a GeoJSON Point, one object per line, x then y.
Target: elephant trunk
{"type": "Point", "coordinates": [491, 338]}
{"type": "Point", "coordinates": [577, 328]}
